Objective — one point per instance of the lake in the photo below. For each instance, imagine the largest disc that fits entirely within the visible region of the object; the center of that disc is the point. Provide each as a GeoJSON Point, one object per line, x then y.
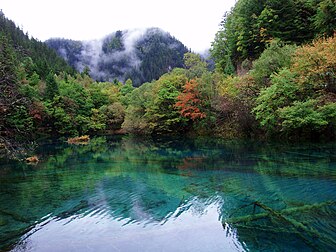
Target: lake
{"type": "Point", "coordinates": [130, 194]}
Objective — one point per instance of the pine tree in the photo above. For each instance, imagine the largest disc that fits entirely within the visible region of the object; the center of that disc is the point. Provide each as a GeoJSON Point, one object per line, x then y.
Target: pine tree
{"type": "Point", "coordinates": [51, 86]}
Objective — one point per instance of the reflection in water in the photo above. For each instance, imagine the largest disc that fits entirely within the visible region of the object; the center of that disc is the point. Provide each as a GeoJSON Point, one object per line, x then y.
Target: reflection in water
{"type": "Point", "coordinates": [125, 194]}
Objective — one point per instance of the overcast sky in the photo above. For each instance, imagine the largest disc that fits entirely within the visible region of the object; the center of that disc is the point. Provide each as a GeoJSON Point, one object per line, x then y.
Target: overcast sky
{"type": "Point", "coordinates": [194, 22]}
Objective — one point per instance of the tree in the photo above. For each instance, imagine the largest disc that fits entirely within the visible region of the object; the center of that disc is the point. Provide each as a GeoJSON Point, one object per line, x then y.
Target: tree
{"type": "Point", "coordinates": [300, 100]}
{"type": "Point", "coordinates": [280, 94]}
{"type": "Point", "coordinates": [15, 121]}
{"type": "Point", "coordinates": [97, 120]}
{"type": "Point", "coordinates": [222, 49]}
{"type": "Point", "coordinates": [275, 57]}
{"type": "Point", "coordinates": [316, 66]}
{"type": "Point", "coordinates": [196, 67]}
{"type": "Point", "coordinates": [324, 20]}
{"type": "Point", "coordinates": [189, 102]}
{"type": "Point", "coordinates": [86, 71]}
{"type": "Point", "coordinates": [8, 63]}
{"type": "Point", "coordinates": [250, 26]}
{"type": "Point", "coordinates": [115, 115]}
{"type": "Point", "coordinates": [125, 92]}
{"type": "Point", "coordinates": [302, 116]}
{"type": "Point", "coordinates": [162, 115]}
{"type": "Point", "coordinates": [51, 86]}
{"type": "Point", "coordinates": [135, 120]}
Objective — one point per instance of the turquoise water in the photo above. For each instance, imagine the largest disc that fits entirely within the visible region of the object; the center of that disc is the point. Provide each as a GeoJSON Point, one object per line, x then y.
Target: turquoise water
{"type": "Point", "coordinates": [127, 194]}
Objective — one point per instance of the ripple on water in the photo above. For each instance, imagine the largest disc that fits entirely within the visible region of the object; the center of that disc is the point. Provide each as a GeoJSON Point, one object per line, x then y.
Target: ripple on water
{"type": "Point", "coordinates": [184, 197]}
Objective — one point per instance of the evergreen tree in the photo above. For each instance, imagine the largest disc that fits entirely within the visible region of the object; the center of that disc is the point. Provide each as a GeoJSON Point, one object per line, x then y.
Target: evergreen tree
{"type": "Point", "coordinates": [325, 18]}
{"type": "Point", "coordinates": [51, 86]}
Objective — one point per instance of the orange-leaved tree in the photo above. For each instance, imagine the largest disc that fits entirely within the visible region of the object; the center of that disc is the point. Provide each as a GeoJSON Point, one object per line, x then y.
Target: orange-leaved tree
{"type": "Point", "coordinates": [189, 101]}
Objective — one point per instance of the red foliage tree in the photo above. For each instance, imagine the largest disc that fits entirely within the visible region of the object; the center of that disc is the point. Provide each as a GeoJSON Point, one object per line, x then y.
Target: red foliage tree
{"type": "Point", "coordinates": [189, 101]}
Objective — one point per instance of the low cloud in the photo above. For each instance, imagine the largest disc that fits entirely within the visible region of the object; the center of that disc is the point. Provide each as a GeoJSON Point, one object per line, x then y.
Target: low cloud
{"type": "Point", "coordinates": [116, 56]}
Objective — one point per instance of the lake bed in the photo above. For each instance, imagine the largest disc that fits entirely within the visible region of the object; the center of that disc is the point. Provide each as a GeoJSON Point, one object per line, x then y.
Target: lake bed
{"type": "Point", "coordinates": [130, 194]}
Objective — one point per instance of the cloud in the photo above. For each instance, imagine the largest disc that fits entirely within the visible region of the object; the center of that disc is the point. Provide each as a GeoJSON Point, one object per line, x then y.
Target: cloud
{"type": "Point", "coordinates": [118, 55]}
{"type": "Point", "coordinates": [120, 61]}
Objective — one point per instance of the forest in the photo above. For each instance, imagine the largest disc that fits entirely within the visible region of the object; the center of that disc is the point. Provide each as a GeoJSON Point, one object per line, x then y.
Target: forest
{"type": "Point", "coordinates": [274, 77]}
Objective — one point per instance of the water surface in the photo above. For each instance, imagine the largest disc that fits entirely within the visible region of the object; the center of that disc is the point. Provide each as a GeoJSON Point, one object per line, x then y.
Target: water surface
{"type": "Point", "coordinates": [127, 194]}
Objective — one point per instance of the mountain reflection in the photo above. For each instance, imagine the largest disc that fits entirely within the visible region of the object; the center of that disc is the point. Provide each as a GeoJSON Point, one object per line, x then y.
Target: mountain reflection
{"type": "Point", "coordinates": [132, 182]}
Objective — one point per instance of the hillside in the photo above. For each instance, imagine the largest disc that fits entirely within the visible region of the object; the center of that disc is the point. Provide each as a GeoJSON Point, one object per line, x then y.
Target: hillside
{"type": "Point", "coordinates": [42, 57]}
{"type": "Point", "coordinates": [139, 55]}
{"type": "Point", "coordinates": [26, 66]}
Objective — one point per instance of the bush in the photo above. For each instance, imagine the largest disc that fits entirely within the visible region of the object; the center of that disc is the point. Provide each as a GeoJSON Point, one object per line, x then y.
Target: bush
{"type": "Point", "coordinates": [316, 66]}
{"type": "Point", "coordinates": [303, 116]}
{"type": "Point", "coordinates": [275, 57]}
{"type": "Point", "coordinates": [281, 93]}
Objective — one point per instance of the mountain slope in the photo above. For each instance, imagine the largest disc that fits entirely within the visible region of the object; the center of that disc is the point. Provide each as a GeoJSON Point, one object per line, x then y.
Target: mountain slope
{"type": "Point", "coordinates": [43, 58]}
{"type": "Point", "coordinates": [141, 55]}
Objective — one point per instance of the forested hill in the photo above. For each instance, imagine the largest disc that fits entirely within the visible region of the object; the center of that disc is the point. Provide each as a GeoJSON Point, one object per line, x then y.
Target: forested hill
{"type": "Point", "coordinates": [41, 58]}
{"type": "Point", "coordinates": [27, 68]}
{"type": "Point", "coordinates": [250, 26]}
{"type": "Point", "coordinates": [139, 55]}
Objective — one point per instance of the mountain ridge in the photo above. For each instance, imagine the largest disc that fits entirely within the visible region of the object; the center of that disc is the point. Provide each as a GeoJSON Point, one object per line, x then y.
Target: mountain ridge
{"type": "Point", "coordinates": [141, 55]}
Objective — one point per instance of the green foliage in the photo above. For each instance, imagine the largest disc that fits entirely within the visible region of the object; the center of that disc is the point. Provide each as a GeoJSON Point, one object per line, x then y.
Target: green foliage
{"type": "Point", "coordinates": [8, 62]}
{"type": "Point", "coordinates": [97, 120]}
{"type": "Point", "coordinates": [324, 20]}
{"type": "Point", "coordinates": [127, 88]}
{"type": "Point", "coordinates": [113, 43]}
{"type": "Point", "coordinates": [163, 117]}
{"type": "Point", "coordinates": [196, 67]}
{"type": "Point", "coordinates": [30, 91]}
{"type": "Point", "coordinates": [316, 66]}
{"type": "Point", "coordinates": [159, 53]}
{"type": "Point", "coordinates": [20, 120]}
{"type": "Point", "coordinates": [228, 86]}
{"type": "Point", "coordinates": [328, 111]}
{"type": "Point", "coordinates": [273, 58]}
{"type": "Point", "coordinates": [249, 27]}
{"type": "Point", "coordinates": [239, 37]}
{"type": "Point", "coordinates": [303, 116]}
{"type": "Point", "coordinates": [86, 71]}
{"type": "Point", "coordinates": [223, 47]}
{"type": "Point", "coordinates": [115, 115]}
{"type": "Point", "coordinates": [98, 97]}
{"type": "Point", "coordinates": [289, 90]}
{"type": "Point", "coordinates": [78, 109]}
{"type": "Point", "coordinates": [207, 87]}
{"type": "Point", "coordinates": [281, 93]}
{"type": "Point", "coordinates": [15, 121]}
{"type": "Point", "coordinates": [43, 58]}
{"type": "Point", "coordinates": [34, 79]}
{"type": "Point", "coordinates": [135, 120]}
{"type": "Point", "coordinates": [151, 106]}
{"type": "Point", "coordinates": [300, 100]}
{"type": "Point", "coordinates": [111, 90]}
{"type": "Point", "coordinates": [83, 124]}
{"type": "Point", "coordinates": [78, 99]}
{"type": "Point", "coordinates": [63, 122]}
{"type": "Point", "coordinates": [125, 92]}
{"type": "Point", "coordinates": [51, 86]}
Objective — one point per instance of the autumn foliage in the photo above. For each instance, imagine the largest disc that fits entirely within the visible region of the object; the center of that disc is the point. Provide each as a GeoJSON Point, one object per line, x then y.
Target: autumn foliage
{"type": "Point", "coordinates": [189, 101]}
{"type": "Point", "coordinates": [315, 65]}
{"type": "Point", "coordinates": [79, 140]}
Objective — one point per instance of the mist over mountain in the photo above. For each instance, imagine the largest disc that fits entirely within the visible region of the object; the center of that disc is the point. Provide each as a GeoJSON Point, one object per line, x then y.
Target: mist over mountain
{"type": "Point", "coordinates": [141, 55]}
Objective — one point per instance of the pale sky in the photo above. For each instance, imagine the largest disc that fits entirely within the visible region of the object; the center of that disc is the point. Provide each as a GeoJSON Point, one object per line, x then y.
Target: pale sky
{"type": "Point", "coordinates": [193, 22]}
